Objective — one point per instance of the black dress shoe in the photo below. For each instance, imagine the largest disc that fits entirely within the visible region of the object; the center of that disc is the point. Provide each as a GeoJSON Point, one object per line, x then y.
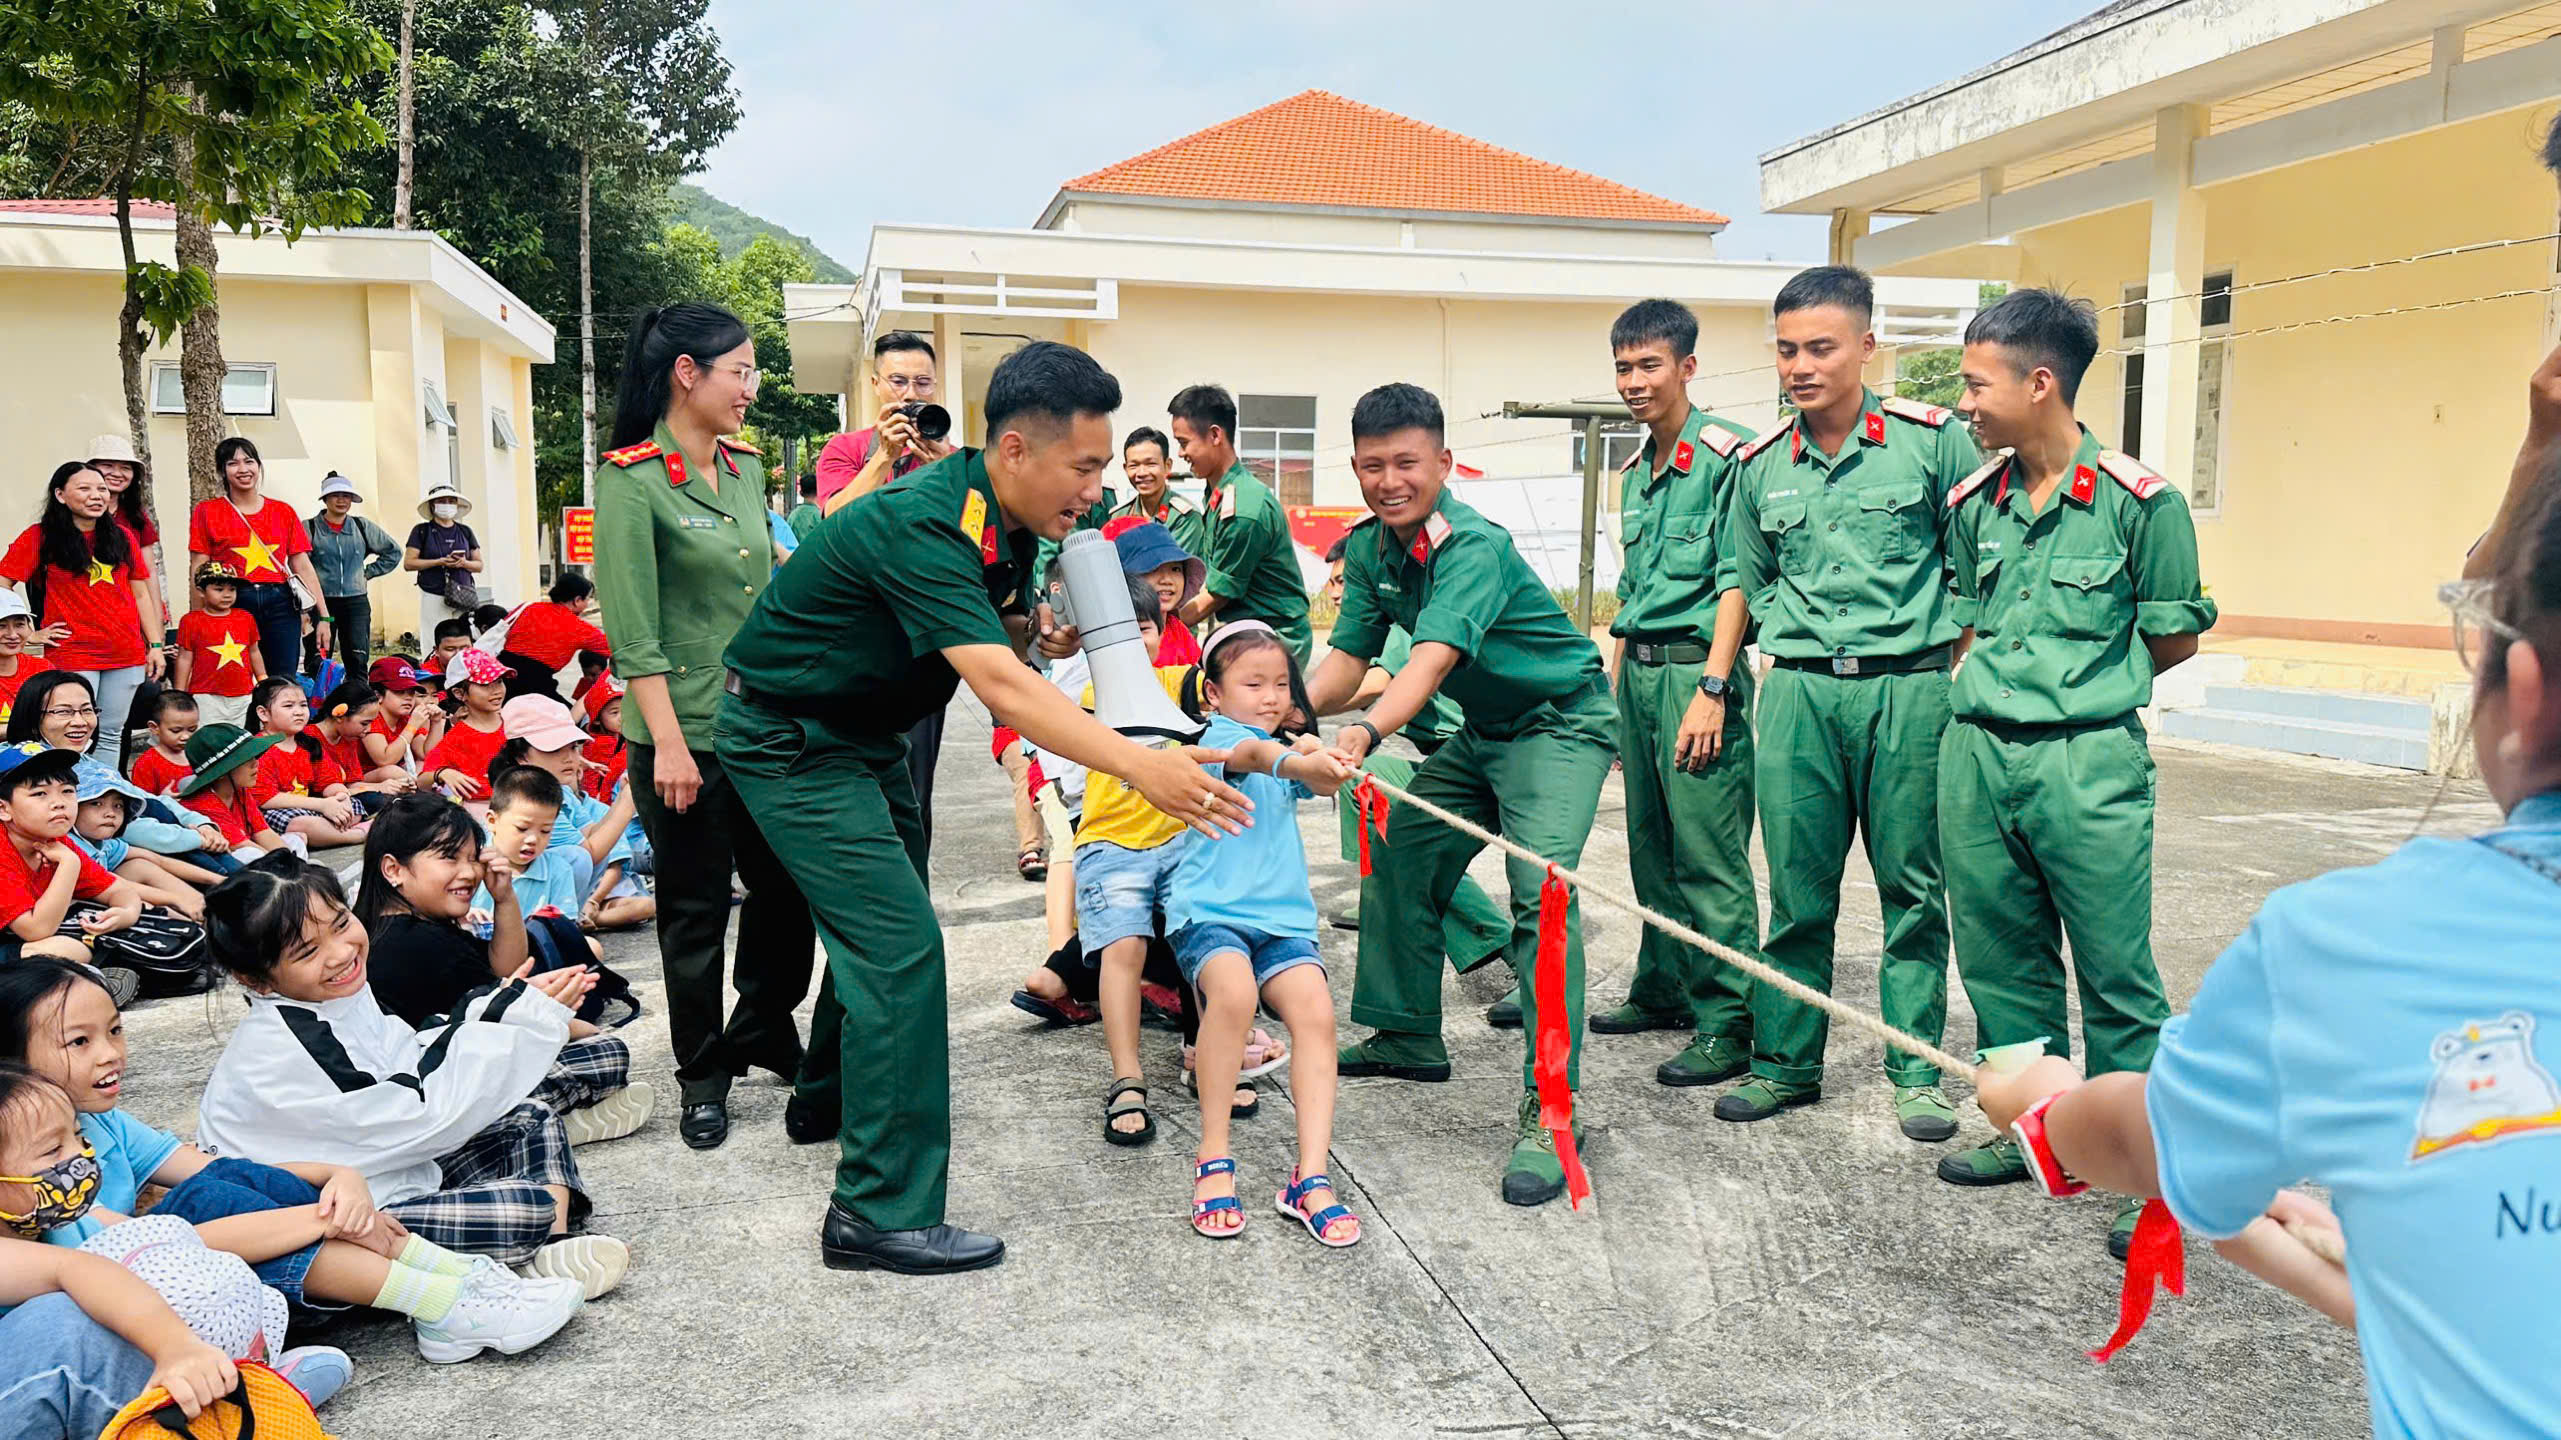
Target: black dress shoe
{"type": "Point", "coordinates": [846, 1243]}
{"type": "Point", "coordinates": [805, 1126]}
{"type": "Point", "coordinates": [705, 1125]}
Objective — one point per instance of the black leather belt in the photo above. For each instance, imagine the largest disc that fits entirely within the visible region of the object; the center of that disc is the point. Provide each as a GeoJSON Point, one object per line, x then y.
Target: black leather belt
{"type": "Point", "coordinates": [798, 707]}
{"type": "Point", "coordinates": [1679, 652]}
{"type": "Point", "coordinates": [1861, 665]}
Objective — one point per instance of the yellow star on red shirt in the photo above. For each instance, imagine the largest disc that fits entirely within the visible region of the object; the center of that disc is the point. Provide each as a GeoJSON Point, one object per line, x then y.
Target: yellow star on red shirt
{"type": "Point", "coordinates": [230, 649]}
{"type": "Point", "coordinates": [257, 555]}
{"type": "Point", "coordinates": [101, 573]}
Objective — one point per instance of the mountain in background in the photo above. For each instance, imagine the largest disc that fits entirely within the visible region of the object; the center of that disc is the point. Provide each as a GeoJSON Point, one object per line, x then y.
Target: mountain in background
{"type": "Point", "coordinates": [734, 228]}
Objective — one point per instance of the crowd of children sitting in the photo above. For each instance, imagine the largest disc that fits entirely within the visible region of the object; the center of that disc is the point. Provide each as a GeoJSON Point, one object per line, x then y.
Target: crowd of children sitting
{"type": "Point", "coordinates": [429, 1033]}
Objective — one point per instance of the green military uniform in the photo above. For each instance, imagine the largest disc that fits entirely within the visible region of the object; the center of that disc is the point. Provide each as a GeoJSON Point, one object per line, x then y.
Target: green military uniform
{"type": "Point", "coordinates": [839, 659]}
{"type": "Point", "coordinates": [1528, 761]}
{"type": "Point", "coordinates": [1182, 517]}
{"type": "Point", "coordinates": [1841, 560]}
{"type": "Point", "coordinates": [1093, 518]}
{"type": "Point", "coordinates": [2045, 781]}
{"type": "Point", "coordinates": [1253, 564]}
{"type": "Point", "coordinates": [1689, 833]}
{"type": "Point", "coordinates": [681, 565]}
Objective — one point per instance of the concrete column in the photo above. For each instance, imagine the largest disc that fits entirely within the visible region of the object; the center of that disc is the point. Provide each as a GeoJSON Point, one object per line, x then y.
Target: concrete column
{"type": "Point", "coordinates": [399, 440]}
{"type": "Point", "coordinates": [953, 367]}
{"type": "Point", "coordinates": [2170, 351]}
{"type": "Point", "coordinates": [1849, 227]}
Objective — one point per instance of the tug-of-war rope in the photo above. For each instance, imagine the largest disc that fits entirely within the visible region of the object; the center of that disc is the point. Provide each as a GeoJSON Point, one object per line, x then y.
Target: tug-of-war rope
{"type": "Point", "coordinates": [2157, 1256]}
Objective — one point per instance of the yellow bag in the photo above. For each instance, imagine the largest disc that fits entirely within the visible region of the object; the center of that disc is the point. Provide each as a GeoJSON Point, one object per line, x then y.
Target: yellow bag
{"type": "Point", "coordinates": [264, 1406]}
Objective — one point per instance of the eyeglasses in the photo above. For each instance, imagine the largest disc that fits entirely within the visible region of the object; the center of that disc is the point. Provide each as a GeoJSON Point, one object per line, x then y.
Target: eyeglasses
{"type": "Point", "coordinates": [85, 712]}
{"type": "Point", "coordinates": [748, 375]}
{"type": "Point", "coordinates": [2476, 630]}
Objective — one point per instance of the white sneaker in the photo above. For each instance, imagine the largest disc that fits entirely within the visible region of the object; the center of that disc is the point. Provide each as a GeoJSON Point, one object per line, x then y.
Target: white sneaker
{"type": "Point", "coordinates": [498, 1311]}
{"type": "Point", "coordinates": [613, 1117]}
{"type": "Point", "coordinates": [596, 1263]}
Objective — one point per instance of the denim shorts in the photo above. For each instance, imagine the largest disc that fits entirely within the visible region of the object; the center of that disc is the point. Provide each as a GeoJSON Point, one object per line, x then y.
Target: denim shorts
{"type": "Point", "coordinates": [1268, 954]}
{"type": "Point", "coordinates": [1120, 892]}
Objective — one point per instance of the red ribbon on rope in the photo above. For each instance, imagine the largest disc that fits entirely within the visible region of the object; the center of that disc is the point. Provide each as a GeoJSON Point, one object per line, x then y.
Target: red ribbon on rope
{"type": "Point", "coordinates": [2157, 1254]}
{"type": "Point", "coordinates": [1372, 804]}
{"type": "Point", "coordinates": [1555, 1049]}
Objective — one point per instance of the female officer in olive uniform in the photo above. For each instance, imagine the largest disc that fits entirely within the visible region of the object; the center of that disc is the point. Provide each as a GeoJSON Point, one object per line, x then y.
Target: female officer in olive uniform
{"type": "Point", "coordinates": [683, 550]}
{"type": "Point", "coordinates": [893, 601]}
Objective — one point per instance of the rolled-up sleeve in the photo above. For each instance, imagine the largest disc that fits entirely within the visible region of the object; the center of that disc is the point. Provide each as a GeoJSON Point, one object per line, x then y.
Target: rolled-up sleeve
{"type": "Point", "coordinates": [2169, 595]}
{"type": "Point", "coordinates": [1467, 591]}
{"type": "Point", "coordinates": [934, 584]}
{"type": "Point", "coordinates": [2215, 1097]}
{"type": "Point", "coordinates": [627, 576]}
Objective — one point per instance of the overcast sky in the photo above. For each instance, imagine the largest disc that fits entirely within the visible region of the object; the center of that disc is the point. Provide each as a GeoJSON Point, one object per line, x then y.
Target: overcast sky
{"type": "Point", "coordinates": [971, 112]}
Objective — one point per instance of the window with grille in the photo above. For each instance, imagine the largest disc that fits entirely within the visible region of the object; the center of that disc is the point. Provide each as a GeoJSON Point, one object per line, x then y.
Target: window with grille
{"type": "Point", "coordinates": [1276, 439]}
{"type": "Point", "coordinates": [2213, 384]}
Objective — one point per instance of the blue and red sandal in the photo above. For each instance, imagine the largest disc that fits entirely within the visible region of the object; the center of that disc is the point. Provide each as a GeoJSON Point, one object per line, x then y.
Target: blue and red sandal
{"type": "Point", "coordinates": [1292, 1202]}
{"type": "Point", "coordinates": [1203, 1209]}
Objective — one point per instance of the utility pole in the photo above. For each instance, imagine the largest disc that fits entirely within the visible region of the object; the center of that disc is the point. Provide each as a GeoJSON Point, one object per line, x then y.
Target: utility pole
{"type": "Point", "coordinates": [1591, 418]}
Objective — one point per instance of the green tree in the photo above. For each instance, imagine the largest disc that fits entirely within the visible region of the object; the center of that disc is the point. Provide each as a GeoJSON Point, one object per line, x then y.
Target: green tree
{"type": "Point", "coordinates": [781, 416]}
{"type": "Point", "coordinates": [1930, 376]}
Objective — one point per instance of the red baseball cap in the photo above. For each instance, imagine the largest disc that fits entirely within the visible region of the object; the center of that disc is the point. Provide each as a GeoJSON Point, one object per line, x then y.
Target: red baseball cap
{"type": "Point", "coordinates": [393, 672]}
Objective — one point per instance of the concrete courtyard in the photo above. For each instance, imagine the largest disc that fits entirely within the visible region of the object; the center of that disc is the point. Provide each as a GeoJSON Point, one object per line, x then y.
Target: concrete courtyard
{"type": "Point", "coordinates": [1809, 1276]}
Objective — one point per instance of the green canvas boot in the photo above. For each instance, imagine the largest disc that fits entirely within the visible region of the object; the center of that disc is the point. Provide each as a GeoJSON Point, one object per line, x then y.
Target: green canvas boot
{"type": "Point", "coordinates": [1533, 1175]}
{"type": "Point", "coordinates": [2120, 1232]}
{"type": "Point", "coordinates": [1706, 1060]}
{"type": "Point", "coordinates": [1924, 1112]}
{"type": "Point", "coordinates": [1995, 1162]}
{"type": "Point", "coordinates": [1760, 1097]}
{"type": "Point", "coordinates": [1396, 1055]}
{"type": "Point", "coordinates": [1629, 1020]}
{"type": "Point", "coordinates": [1505, 1014]}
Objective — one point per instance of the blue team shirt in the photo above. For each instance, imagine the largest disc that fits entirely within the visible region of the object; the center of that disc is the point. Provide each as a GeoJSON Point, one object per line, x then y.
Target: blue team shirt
{"type": "Point", "coordinates": [1257, 880]}
{"type": "Point", "coordinates": [2394, 1033]}
{"type": "Point", "coordinates": [128, 1152]}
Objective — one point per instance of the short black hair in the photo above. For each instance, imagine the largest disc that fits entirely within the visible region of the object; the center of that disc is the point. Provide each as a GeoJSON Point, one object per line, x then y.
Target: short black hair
{"type": "Point", "coordinates": [529, 784]}
{"type": "Point", "coordinates": [809, 486]}
{"type": "Point", "coordinates": [2552, 148]}
{"type": "Point", "coordinates": [571, 588]}
{"type": "Point", "coordinates": [1648, 321]}
{"type": "Point", "coordinates": [52, 765]}
{"type": "Point", "coordinates": [898, 340]}
{"type": "Point", "coordinates": [1149, 435]}
{"type": "Point", "coordinates": [352, 695]}
{"type": "Point", "coordinates": [1341, 547]}
{"type": "Point", "coordinates": [1398, 406]}
{"type": "Point", "coordinates": [1844, 285]}
{"type": "Point", "coordinates": [1201, 406]}
{"type": "Point", "coordinates": [487, 616]}
{"type": "Point", "coordinates": [1144, 599]}
{"type": "Point", "coordinates": [456, 628]}
{"type": "Point", "coordinates": [2041, 328]}
{"type": "Point", "coordinates": [170, 700]}
{"type": "Point", "coordinates": [1051, 381]}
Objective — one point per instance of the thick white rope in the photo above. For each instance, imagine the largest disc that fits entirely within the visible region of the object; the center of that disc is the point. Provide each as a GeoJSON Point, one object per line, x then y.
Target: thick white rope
{"type": "Point", "coordinates": [1758, 970]}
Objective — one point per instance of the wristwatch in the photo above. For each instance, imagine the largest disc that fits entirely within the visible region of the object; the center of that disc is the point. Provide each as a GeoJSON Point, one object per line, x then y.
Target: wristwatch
{"type": "Point", "coordinates": [1712, 686]}
{"type": "Point", "coordinates": [1375, 739]}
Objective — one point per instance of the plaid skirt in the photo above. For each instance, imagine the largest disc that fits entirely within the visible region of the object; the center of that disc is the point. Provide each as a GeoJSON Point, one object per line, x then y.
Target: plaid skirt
{"type": "Point", "coordinates": [495, 1201]}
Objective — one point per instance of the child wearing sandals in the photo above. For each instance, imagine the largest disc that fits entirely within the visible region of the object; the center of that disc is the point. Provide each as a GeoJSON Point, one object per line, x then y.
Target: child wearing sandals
{"type": "Point", "coordinates": [461, 1131]}
{"type": "Point", "coordinates": [1243, 923]}
{"type": "Point", "coordinates": [309, 1230]}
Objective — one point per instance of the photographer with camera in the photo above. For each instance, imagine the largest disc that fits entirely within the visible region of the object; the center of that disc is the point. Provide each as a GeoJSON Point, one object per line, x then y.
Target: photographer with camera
{"type": "Point", "coordinates": [911, 431]}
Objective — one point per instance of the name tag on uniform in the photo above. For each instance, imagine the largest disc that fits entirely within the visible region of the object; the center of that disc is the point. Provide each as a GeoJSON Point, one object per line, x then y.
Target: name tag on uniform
{"type": "Point", "coordinates": [1789, 494]}
{"type": "Point", "coordinates": [1389, 587]}
{"type": "Point", "coordinates": [697, 522]}
{"type": "Point", "coordinates": [1988, 546]}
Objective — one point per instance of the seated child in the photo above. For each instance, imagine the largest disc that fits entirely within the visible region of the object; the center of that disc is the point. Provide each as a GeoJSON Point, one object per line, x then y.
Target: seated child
{"type": "Point", "coordinates": [459, 1131]}
{"type": "Point", "coordinates": [162, 766]}
{"type": "Point", "coordinates": [1243, 923]}
{"type": "Point", "coordinates": [80, 1335]}
{"type": "Point", "coordinates": [289, 790]}
{"type": "Point", "coordinates": [345, 716]}
{"type": "Point", "coordinates": [406, 726]}
{"type": "Point", "coordinates": [223, 760]}
{"type": "Point", "coordinates": [44, 879]}
{"type": "Point", "coordinates": [18, 657]}
{"type": "Point", "coordinates": [452, 637]}
{"type": "Point", "coordinates": [310, 1230]}
{"type": "Point", "coordinates": [589, 833]}
{"type": "Point", "coordinates": [607, 755]}
{"type": "Point", "coordinates": [460, 761]}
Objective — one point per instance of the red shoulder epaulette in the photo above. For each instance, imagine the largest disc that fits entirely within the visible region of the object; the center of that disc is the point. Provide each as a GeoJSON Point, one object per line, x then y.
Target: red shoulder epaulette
{"type": "Point", "coordinates": [1765, 440]}
{"type": "Point", "coordinates": [1934, 416]}
{"type": "Point", "coordinates": [1719, 439]}
{"type": "Point", "coordinates": [1436, 531]}
{"type": "Point", "coordinates": [2133, 474]}
{"type": "Point", "coordinates": [741, 446]}
{"type": "Point", "coordinates": [1974, 482]}
{"type": "Point", "coordinates": [1633, 460]}
{"type": "Point", "coordinates": [631, 455]}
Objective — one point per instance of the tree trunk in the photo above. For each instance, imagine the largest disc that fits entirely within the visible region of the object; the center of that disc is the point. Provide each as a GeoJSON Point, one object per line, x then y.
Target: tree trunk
{"type": "Point", "coordinates": [200, 365]}
{"type": "Point", "coordinates": [586, 334]}
{"type": "Point", "coordinates": [404, 191]}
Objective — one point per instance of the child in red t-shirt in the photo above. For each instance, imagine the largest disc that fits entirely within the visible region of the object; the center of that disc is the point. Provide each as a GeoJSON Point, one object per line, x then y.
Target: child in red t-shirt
{"type": "Point", "coordinates": [17, 637]}
{"type": "Point", "coordinates": [607, 755]}
{"type": "Point", "coordinates": [460, 761]}
{"type": "Point", "coordinates": [163, 767]}
{"type": "Point", "coordinates": [289, 790]}
{"type": "Point", "coordinates": [225, 761]}
{"type": "Point", "coordinates": [407, 725]}
{"type": "Point", "coordinates": [42, 873]}
{"type": "Point", "coordinates": [218, 657]}
{"type": "Point", "coordinates": [346, 715]}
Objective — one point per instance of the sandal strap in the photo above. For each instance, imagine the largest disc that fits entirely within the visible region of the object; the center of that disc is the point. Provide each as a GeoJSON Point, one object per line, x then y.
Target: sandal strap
{"type": "Point", "coordinates": [1215, 1203]}
{"type": "Point", "coordinates": [1220, 1165]}
{"type": "Point", "coordinates": [1124, 1087]}
{"type": "Point", "coordinates": [1298, 1188]}
{"type": "Point", "coordinates": [1324, 1219]}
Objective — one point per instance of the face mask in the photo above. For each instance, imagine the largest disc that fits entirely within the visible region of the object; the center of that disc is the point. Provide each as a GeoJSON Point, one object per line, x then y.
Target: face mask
{"type": "Point", "coordinates": [64, 1193]}
{"type": "Point", "coordinates": [445, 509]}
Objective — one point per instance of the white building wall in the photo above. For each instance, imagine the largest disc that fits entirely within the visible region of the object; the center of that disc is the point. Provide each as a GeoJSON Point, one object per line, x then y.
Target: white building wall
{"type": "Point", "coordinates": [1136, 217]}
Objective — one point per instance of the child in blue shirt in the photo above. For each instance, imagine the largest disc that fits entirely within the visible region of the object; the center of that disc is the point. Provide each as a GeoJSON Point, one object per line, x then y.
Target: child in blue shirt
{"type": "Point", "coordinates": [1243, 923]}
{"type": "Point", "coordinates": [2388, 1032]}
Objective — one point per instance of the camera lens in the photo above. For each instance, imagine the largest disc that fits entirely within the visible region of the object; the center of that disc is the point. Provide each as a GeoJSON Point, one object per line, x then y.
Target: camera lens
{"type": "Point", "coordinates": [933, 422]}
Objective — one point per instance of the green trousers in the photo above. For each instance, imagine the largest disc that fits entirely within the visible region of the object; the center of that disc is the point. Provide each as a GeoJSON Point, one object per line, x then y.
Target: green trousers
{"type": "Point", "coordinates": [1539, 785]}
{"type": "Point", "coordinates": [2047, 832]}
{"type": "Point", "coordinates": [1840, 752]}
{"type": "Point", "coordinates": [1473, 929]}
{"type": "Point", "coordinates": [841, 812]}
{"type": "Point", "coordinates": [1689, 846]}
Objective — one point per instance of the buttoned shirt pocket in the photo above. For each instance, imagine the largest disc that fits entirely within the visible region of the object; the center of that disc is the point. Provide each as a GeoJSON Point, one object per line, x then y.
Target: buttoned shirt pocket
{"type": "Point", "coordinates": [1894, 520]}
{"type": "Point", "coordinates": [2091, 597]}
{"type": "Point", "coordinates": [1784, 520]}
{"type": "Point", "coordinates": [1689, 546]}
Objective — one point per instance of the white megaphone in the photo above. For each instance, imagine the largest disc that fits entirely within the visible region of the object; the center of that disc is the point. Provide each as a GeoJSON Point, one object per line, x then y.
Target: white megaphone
{"type": "Point", "coordinates": [1095, 596]}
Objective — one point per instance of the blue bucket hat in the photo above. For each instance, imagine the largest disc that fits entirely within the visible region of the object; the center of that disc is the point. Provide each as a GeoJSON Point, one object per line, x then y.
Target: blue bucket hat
{"type": "Point", "coordinates": [97, 780]}
{"type": "Point", "coordinates": [1150, 546]}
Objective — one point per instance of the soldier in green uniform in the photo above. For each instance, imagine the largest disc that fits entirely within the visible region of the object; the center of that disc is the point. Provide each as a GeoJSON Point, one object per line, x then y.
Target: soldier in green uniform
{"type": "Point", "coordinates": [1527, 762]}
{"type": "Point", "coordinates": [1834, 539]}
{"type": "Point", "coordinates": [2076, 570]}
{"type": "Point", "coordinates": [1684, 706]}
{"type": "Point", "coordinates": [1147, 458]}
{"type": "Point", "coordinates": [892, 603]}
{"type": "Point", "coordinates": [1253, 564]}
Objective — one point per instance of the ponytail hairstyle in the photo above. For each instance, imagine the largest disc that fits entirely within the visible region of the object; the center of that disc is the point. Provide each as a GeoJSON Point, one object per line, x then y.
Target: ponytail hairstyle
{"type": "Point", "coordinates": [403, 830]}
{"type": "Point", "coordinates": [63, 546]}
{"type": "Point", "coordinates": [266, 694]}
{"type": "Point", "coordinates": [1221, 652]}
{"type": "Point", "coordinates": [688, 327]}
{"type": "Point", "coordinates": [509, 756]}
{"type": "Point", "coordinates": [256, 916]}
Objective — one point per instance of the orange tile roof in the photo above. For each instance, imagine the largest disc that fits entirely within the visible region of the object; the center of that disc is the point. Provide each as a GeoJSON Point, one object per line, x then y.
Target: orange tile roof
{"type": "Point", "coordinates": [1317, 148]}
{"type": "Point", "coordinates": [142, 209]}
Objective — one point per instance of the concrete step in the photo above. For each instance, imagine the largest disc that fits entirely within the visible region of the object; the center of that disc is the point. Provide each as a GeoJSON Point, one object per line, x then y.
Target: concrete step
{"type": "Point", "coordinates": [2338, 707]}
{"type": "Point", "coordinates": [2394, 745]}
{"type": "Point", "coordinates": [2372, 678]}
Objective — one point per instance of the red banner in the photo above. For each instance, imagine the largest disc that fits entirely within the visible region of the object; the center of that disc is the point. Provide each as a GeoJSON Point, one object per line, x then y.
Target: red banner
{"type": "Point", "coordinates": [577, 535]}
